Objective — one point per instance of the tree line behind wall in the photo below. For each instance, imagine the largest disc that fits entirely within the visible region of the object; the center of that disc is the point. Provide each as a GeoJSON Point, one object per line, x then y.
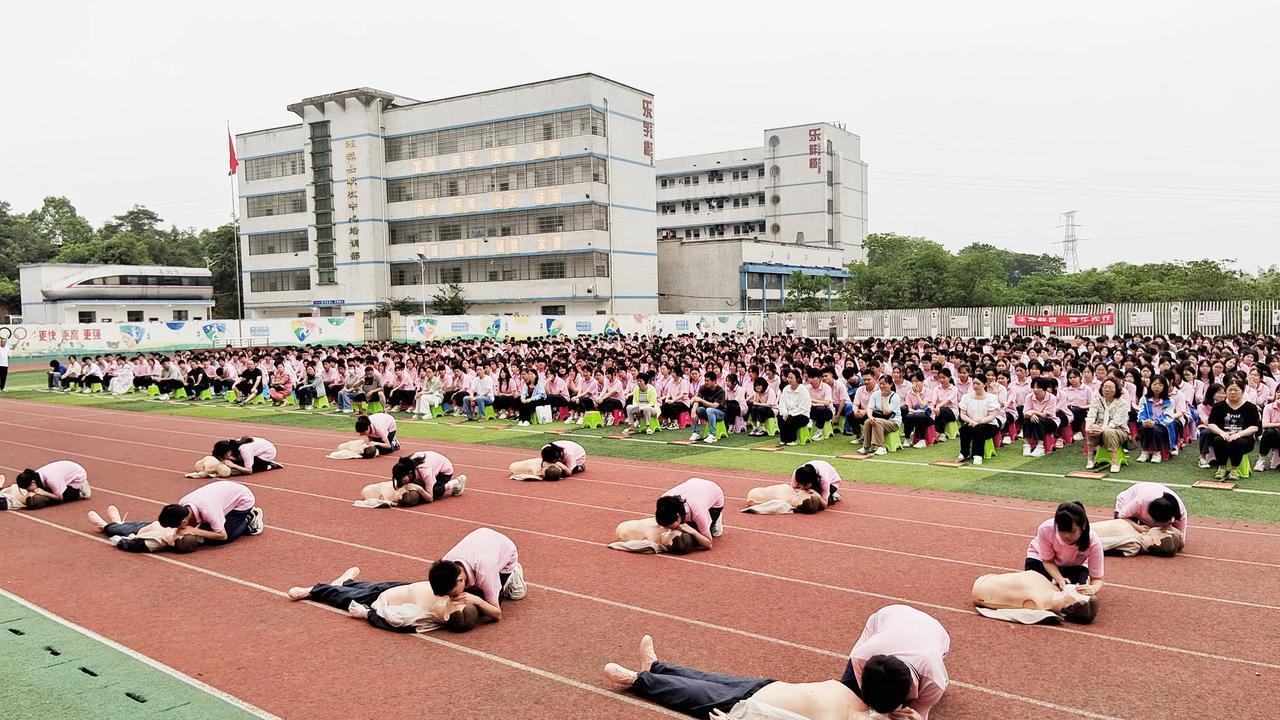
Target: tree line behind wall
{"type": "Point", "coordinates": [55, 232]}
{"type": "Point", "coordinates": [910, 272]}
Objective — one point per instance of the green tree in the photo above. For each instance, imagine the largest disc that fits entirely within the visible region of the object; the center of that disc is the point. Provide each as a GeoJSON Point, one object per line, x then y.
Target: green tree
{"type": "Point", "coordinates": [806, 293]}
{"type": "Point", "coordinates": [216, 249]}
{"type": "Point", "coordinates": [119, 249]}
{"type": "Point", "coordinates": [20, 243]}
{"type": "Point", "coordinates": [58, 223]}
{"type": "Point", "coordinates": [449, 300]}
{"type": "Point", "coordinates": [10, 297]}
{"type": "Point", "coordinates": [404, 306]}
{"type": "Point", "coordinates": [139, 220]}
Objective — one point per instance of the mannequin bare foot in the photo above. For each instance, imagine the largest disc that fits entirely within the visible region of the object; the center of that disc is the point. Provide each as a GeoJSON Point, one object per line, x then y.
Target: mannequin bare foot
{"type": "Point", "coordinates": [97, 520]}
{"type": "Point", "coordinates": [299, 593]}
{"type": "Point", "coordinates": [113, 514]}
{"type": "Point", "coordinates": [647, 656]}
{"type": "Point", "coordinates": [350, 574]}
{"type": "Point", "coordinates": [619, 676]}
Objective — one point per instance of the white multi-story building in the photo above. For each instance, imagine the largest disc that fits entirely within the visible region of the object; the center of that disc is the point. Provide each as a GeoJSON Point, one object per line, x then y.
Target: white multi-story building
{"type": "Point", "coordinates": [65, 293]}
{"type": "Point", "coordinates": [732, 226]}
{"type": "Point", "coordinates": [536, 199]}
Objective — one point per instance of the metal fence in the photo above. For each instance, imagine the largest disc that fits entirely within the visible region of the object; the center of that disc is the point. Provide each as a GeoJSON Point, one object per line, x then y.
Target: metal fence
{"type": "Point", "coordinates": [1210, 317]}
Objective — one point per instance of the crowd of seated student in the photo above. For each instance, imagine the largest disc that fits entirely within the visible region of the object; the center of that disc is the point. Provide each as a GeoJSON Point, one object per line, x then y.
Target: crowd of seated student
{"type": "Point", "coordinates": [1217, 392]}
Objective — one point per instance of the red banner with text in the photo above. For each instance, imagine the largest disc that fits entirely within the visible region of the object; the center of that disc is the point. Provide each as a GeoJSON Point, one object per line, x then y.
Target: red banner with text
{"type": "Point", "coordinates": [1065, 320]}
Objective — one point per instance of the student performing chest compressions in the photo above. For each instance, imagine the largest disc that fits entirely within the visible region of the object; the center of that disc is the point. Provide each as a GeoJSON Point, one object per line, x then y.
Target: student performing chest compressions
{"type": "Point", "coordinates": [59, 481]}
{"type": "Point", "coordinates": [246, 455]}
{"type": "Point", "coordinates": [216, 513]}
{"type": "Point", "coordinates": [379, 429]}
{"type": "Point", "coordinates": [142, 535]}
{"type": "Point", "coordinates": [696, 507]}
{"type": "Point", "coordinates": [429, 474]}
{"type": "Point", "coordinates": [556, 460]}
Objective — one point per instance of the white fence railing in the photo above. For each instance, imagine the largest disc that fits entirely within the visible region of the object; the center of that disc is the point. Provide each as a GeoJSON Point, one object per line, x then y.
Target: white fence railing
{"type": "Point", "coordinates": [1207, 317]}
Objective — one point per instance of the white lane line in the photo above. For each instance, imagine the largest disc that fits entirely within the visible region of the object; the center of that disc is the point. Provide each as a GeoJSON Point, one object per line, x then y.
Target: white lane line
{"type": "Point", "coordinates": [144, 659]}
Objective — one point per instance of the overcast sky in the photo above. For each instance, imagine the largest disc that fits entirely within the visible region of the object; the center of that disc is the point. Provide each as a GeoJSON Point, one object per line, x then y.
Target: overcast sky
{"type": "Point", "coordinates": [981, 121]}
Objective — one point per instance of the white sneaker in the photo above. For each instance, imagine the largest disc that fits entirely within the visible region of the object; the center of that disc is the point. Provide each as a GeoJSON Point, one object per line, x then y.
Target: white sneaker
{"type": "Point", "coordinates": [835, 498]}
{"type": "Point", "coordinates": [920, 445]}
{"type": "Point", "coordinates": [524, 423]}
{"type": "Point", "coordinates": [1144, 457]}
{"type": "Point", "coordinates": [1203, 464]}
{"type": "Point", "coordinates": [1077, 437]}
{"type": "Point", "coordinates": [717, 528]}
{"type": "Point", "coordinates": [694, 437]}
{"type": "Point", "coordinates": [459, 484]}
{"type": "Point", "coordinates": [1173, 452]}
{"type": "Point", "coordinates": [711, 439]}
{"type": "Point", "coordinates": [568, 421]}
{"type": "Point", "coordinates": [608, 421]}
{"type": "Point", "coordinates": [816, 437]}
{"type": "Point", "coordinates": [1155, 459]}
{"type": "Point", "coordinates": [1260, 466]}
{"type": "Point", "coordinates": [1026, 451]}
{"type": "Point", "coordinates": [977, 459]}
{"type": "Point", "coordinates": [960, 457]}
{"type": "Point", "coordinates": [942, 437]}
{"type": "Point", "coordinates": [163, 397]}
{"type": "Point", "coordinates": [515, 589]}
{"type": "Point", "coordinates": [881, 451]}
{"type": "Point", "coordinates": [255, 521]}
{"type": "Point", "coordinates": [1038, 452]}
{"type": "Point", "coordinates": [579, 421]}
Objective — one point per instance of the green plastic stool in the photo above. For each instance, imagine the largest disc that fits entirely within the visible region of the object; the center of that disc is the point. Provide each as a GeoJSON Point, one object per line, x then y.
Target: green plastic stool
{"type": "Point", "coordinates": [179, 394]}
{"type": "Point", "coordinates": [592, 419]}
{"type": "Point", "coordinates": [893, 441]}
{"type": "Point", "coordinates": [290, 399]}
{"type": "Point", "coordinates": [257, 399]}
{"type": "Point", "coordinates": [828, 430]}
{"type": "Point", "coordinates": [153, 390]}
{"type": "Point", "coordinates": [655, 424]}
{"type": "Point", "coordinates": [490, 413]}
{"type": "Point", "coordinates": [1106, 453]}
{"type": "Point", "coordinates": [321, 403]}
{"type": "Point", "coordinates": [95, 387]}
{"type": "Point", "coordinates": [771, 426]}
{"type": "Point", "coordinates": [721, 429]}
{"type": "Point", "coordinates": [206, 394]}
{"type": "Point", "coordinates": [1244, 469]}
{"type": "Point", "coordinates": [437, 411]}
{"type": "Point", "coordinates": [232, 395]}
{"type": "Point", "coordinates": [804, 436]}
{"type": "Point", "coordinates": [988, 449]}
{"type": "Point", "coordinates": [371, 407]}
{"type": "Point", "coordinates": [952, 429]}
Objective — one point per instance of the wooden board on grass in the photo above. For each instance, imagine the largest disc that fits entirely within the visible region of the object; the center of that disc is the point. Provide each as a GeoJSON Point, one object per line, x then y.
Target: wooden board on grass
{"type": "Point", "coordinates": [856, 456]}
{"type": "Point", "coordinates": [617, 437]}
{"type": "Point", "coordinates": [947, 463]}
{"type": "Point", "coordinates": [684, 442]}
{"type": "Point", "coordinates": [1213, 485]}
{"type": "Point", "coordinates": [1087, 475]}
{"type": "Point", "coordinates": [767, 448]}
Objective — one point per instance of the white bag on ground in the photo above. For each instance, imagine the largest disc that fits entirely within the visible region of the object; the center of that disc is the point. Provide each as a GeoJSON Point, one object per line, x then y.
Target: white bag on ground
{"type": "Point", "coordinates": [543, 413]}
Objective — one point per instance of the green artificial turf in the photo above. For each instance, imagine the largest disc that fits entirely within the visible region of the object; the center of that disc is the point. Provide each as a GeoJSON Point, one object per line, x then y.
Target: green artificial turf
{"type": "Point", "coordinates": [53, 671]}
{"type": "Point", "coordinates": [1009, 474]}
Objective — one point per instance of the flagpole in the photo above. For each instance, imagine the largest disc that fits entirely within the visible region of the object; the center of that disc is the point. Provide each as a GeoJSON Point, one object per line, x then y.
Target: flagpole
{"type": "Point", "coordinates": [235, 226]}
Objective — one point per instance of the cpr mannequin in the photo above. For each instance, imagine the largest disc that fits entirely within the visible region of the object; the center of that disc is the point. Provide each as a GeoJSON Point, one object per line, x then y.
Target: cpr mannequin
{"type": "Point", "coordinates": [386, 494]}
{"type": "Point", "coordinates": [1120, 537]}
{"type": "Point", "coordinates": [210, 467]}
{"type": "Point", "coordinates": [360, 448]}
{"type": "Point", "coordinates": [1029, 597]}
{"type": "Point", "coordinates": [647, 536]}
{"type": "Point", "coordinates": [530, 469]}
{"type": "Point", "coordinates": [782, 498]}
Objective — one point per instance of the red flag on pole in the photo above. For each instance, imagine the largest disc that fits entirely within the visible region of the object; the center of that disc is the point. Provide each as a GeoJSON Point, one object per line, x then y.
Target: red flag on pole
{"type": "Point", "coordinates": [231, 150]}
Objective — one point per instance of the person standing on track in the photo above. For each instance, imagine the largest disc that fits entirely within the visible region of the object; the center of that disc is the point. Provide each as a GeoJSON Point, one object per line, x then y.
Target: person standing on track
{"type": "Point", "coordinates": [896, 666]}
{"type": "Point", "coordinates": [59, 481]}
{"type": "Point", "coordinates": [380, 429]}
{"type": "Point", "coordinates": [694, 506]}
{"type": "Point", "coordinates": [246, 455]}
{"type": "Point", "coordinates": [428, 472]}
{"type": "Point", "coordinates": [4, 362]}
{"type": "Point", "coordinates": [218, 513]}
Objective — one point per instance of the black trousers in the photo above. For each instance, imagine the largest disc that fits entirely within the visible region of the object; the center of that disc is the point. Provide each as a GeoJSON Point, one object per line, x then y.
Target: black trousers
{"type": "Point", "coordinates": [365, 593]}
{"type": "Point", "coordinates": [759, 413]}
{"type": "Point", "coordinates": [694, 692]}
{"type": "Point", "coordinates": [1270, 441]}
{"type": "Point", "coordinates": [1078, 416]}
{"type": "Point", "coordinates": [672, 410]}
{"type": "Point", "coordinates": [1153, 439]}
{"type": "Point", "coordinates": [821, 414]}
{"type": "Point", "coordinates": [608, 405]}
{"type": "Point", "coordinates": [915, 425]}
{"type": "Point", "coordinates": [1229, 454]}
{"type": "Point", "coordinates": [403, 398]}
{"type": "Point", "coordinates": [732, 411]}
{"type": "Point", "coordinates": [4, 375]}
{"type": "Point", "coordinates": [140, 382]}
{"type": "Point", "coordinates": [583, 404]}
{"type": "Point", "coordinates": [1077, 574]}
{"type": "Point", "coordinates": [69, 381]}
{"type": "Point", "coordinates": [526, 408]}
{"type": "Point", "coordinates": [945, 415]}
{"type": "Point", "coordinates": [128, 528]}
{"type": "Point", "coordinates": [789, 428]}
{"type": "Point", "coordinates": [169, 386]}
{"type": "Point", "coordinates": [195, 388]}
{"type": "Point", "coordinates": [1041, 429]}
{"type": "Point", "coordinates": [973, 437]}
{"type": "Point", "coordinates": [306, 395]}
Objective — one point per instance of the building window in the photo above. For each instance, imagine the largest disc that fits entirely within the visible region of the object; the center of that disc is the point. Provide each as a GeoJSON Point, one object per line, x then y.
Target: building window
{"type": "Point", "coordinates": [508, 177]}
{"type": "Point", "coordinates": [180, 315]}
{"type": "Point", "coordinates": [553, 309]}
{"type": "Point", "coordinates": [503, 269]}
{"type": "Point", "coordinates": [326, 277]}
{"type": "Point", "coordinates": [715, 176]}
{"type": "Point", "coordinates": [481, 136]}
{"type": "Point", "coordinates": [755, 281]}
{"type": "Point", "coordinates": [551, 269]}
{"type": "Point", "coordinates": [87, 316]}
{"type": "Point", "coordinates": [831, 206]}
{"type": "Point", "coordinates": [500, 224]}
{"type": "Point", "coordinates": [320, 130]}
{"type": "Point", "coordinates": [451, 274]}
{"type": "Point", "coordinates": [278, 242]}
{"type": "Point", "coordinates": [285, 203]}
{"type": "Point", "coordinates": [133, 316]}
{"type": "Point", "coordinates": [759, 171]}
{"type": "Point", "coordinates": [279, 281]}
{"type": "Point", "coordinates": [273, 166]}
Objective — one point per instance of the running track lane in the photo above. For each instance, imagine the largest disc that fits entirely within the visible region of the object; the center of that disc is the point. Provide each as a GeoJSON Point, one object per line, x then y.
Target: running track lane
{"type": "Point", "coordinates": [280, 474]}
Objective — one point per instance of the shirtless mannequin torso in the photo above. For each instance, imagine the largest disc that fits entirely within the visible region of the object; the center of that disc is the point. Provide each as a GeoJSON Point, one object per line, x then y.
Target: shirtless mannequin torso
{"type": "Point", "coordinates": [645, 529]}
{"type": "Point", "coordinates": [385, 491]}
{"type": "Point", "coordinates": [781, 491]}
{"type": "Point", "coordinates": [828, 700]}
{"type": "Point", "coordinates": [1026, 590]}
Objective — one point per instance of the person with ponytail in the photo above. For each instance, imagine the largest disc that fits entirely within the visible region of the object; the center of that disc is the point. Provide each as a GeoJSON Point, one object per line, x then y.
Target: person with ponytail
{"type": "Point", "coordinates": [428, 472]}
{"type": "Point", "coordinates": [1148, 505]}
{"type": "Point", "coordinates": [246, 455]}
{"type": "Point", "coordinates": [1067, 551]}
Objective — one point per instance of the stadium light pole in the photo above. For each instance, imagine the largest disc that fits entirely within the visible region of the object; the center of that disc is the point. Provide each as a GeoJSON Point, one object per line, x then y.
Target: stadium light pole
{"type": "Point", "coordinates": [422, 277]}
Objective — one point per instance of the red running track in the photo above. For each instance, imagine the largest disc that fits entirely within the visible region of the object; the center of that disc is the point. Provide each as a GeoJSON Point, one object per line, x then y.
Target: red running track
{"type": "Point", "coordinates": [779, 596]}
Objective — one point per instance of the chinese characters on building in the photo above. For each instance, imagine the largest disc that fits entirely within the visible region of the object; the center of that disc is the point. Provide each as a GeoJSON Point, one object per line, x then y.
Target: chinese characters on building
{"type": "Point", "coordinates": [646, 113]}
{"type": "Point", "coordinates": [353, 202]}
{"type": "Point", "coordinates": [815, 149]}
